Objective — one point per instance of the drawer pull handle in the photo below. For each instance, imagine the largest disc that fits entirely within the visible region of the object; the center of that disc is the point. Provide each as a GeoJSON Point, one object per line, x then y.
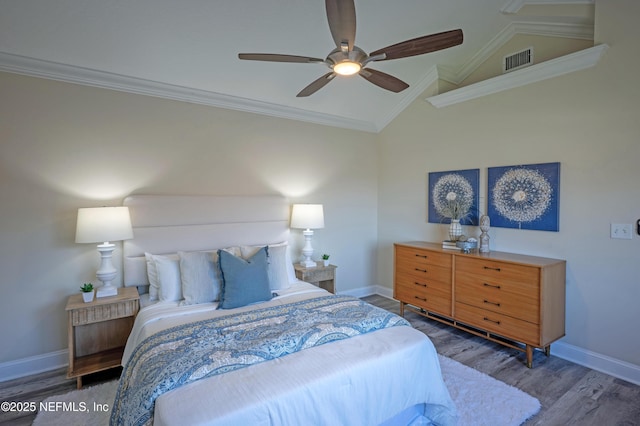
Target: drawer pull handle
{"type": "Point", "coordinates": [491, 303]}
{"type": "Point", "coordinates": [493, 269]}
{"type": "Point", "coordinates": [491, 285]}
{"type": "Point", "coordinates": [490, 320]}
{"type": "Point", "coordinates": [421, 270]}
{"type": "Point", "coordinates": [420, 284]}
{"type": "Point", "coordinates": [424, 256]}
{"type": "Point", "coordinates": [424, 299]}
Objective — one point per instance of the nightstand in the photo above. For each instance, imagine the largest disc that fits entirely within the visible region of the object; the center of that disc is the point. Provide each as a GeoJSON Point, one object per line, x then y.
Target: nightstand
{"type": "Point", "coordinates": [321, 276]}
{"type": "Point", "coordinates": [98, 331]}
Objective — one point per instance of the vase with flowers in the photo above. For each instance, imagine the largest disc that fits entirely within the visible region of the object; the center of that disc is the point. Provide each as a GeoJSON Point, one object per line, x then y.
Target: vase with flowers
{"type": "Point", "coordinates": [455, 209]}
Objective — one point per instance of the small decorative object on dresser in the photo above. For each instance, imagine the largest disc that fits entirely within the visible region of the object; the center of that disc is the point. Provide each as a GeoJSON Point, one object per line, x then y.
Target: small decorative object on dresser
{"type": "Point", "coordinates": [325, 259]}
{"type": "Point", "coordinates": [484, 236]}
{"type": "Point", "coordinates": [87, 292]}
{"type": "Point", "coordinates": [320, 275]}
{"type": "Point", "coordinates": [511, 299]}
{"type": "Point", "coordinates": [466, 245]}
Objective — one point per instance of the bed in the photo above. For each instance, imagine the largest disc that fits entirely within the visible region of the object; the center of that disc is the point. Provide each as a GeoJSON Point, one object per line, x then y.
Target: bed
{"type": "Point", "coordinates": [295, 356]}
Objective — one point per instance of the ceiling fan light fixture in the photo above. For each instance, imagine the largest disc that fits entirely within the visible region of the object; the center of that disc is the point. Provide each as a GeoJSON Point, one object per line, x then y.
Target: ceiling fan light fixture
{"type": "Point", "coordinates": [347, 68]}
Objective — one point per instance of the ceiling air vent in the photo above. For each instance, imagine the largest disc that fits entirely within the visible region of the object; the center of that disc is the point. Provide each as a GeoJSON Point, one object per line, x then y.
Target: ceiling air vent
{"type": "Point", "coordinates": [517, 60]}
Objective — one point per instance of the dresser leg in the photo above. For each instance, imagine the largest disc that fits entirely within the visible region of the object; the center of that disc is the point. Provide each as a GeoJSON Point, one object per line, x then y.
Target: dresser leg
{"type": "Point", "coordinates": [547, 350]}
{"type": "Point", "coordinates": [79, 382]}
{"type": "Point", "coordinates": [402, 309]}
{"type": "Point", "coordinates": [529, 356]}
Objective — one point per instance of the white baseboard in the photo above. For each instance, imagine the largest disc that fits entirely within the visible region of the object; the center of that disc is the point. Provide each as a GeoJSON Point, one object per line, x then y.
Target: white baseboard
{"type": "Point", "coordinates": [595, 361]}
{"type": "Point", "coordinates": [603, 363]}
{"type": "Point", "coordinates": [33, 365]}
{"type": "Point", "coordinates": [369, 290]}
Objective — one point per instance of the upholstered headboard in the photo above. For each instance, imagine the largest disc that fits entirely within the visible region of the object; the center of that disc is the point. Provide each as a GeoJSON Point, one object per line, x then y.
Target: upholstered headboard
{"type": "Point", "coordinates": [167, 224]}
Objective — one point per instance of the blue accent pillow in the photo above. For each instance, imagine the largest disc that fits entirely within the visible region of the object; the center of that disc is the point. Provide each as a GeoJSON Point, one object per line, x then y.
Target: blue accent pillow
{"type": "Point", "coordinates": [244, 281]}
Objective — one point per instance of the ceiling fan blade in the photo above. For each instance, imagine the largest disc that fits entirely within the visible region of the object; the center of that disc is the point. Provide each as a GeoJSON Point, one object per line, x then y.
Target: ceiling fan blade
{"type": "Point", "coordinates": [341, 15]}
{"type": "Point", "coordinates": [383, 80]}
{"type": "Point", "coordinates": [421, 45]}
{"type": "Point", "coordinates": [316, 85]}
{"type": "Point", "coordinates": [274, 57]}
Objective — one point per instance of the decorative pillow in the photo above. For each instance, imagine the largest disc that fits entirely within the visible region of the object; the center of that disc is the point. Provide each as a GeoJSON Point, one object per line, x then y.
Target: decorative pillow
{"type": "Point", "coordinates": [168, 270]}
{"type": "Point", "coordinates": [277, 268]}
{"type": "Point", "coordinates": [152, 274]}
{"type": "Point", "coordinates": [245, 281]}
{"type": "Point", "coordinates": [201, 281]}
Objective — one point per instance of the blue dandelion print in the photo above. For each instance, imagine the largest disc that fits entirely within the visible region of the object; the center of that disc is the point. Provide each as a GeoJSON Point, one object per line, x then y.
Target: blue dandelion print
{"type": "Point", "coordinates": [524, 197]}
{"type": "Point", "coordinates": [454, 195]}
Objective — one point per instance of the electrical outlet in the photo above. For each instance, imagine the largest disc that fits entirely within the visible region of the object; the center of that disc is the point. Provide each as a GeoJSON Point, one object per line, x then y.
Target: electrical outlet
{"type": "Point", "coordinates": [621, 231]}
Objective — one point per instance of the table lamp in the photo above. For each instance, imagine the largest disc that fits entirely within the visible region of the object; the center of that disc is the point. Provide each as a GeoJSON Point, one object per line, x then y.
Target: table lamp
{"type": "Point", "coordinates": [102, 225]}
{"type": "Point", "coordinates": [307, 217]}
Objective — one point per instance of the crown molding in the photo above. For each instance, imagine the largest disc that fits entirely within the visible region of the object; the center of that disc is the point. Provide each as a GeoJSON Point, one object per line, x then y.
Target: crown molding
{"type": "Point", "coordinates": [514, 6]}
{"type": "Point", "coordinates": [555, 67]}
{"type": "Point", "coordinates": [89, 77]}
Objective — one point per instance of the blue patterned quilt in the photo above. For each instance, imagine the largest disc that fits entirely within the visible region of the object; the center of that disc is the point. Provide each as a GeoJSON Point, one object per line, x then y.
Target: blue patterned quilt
{"type": "Point", "coordinates": [194, 351]}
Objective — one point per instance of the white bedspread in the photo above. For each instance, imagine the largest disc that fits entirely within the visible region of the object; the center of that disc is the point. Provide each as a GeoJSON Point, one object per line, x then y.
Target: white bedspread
{"type": "Point", "coordinates": [364, 380]}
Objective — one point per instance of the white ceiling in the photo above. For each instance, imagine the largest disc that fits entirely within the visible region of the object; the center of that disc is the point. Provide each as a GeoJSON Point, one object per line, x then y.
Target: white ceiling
{"type": "Point", "coordinates": [187, 49]}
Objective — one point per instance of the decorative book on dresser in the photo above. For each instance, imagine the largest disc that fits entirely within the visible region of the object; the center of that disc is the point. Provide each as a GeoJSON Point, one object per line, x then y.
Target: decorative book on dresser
{"type": "Point", "coordinates": [512, 299]}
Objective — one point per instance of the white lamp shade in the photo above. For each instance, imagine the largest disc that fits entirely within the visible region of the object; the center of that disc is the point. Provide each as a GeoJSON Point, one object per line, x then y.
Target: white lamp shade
{"type": "Point", "coordinates": [307, 216]}
{"type": "Point", "coordinates": [103, 224]}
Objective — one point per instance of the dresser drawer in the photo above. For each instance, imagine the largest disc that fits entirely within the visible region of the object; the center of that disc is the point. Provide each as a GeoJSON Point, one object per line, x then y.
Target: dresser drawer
{"type": "Point", "coordinates": [411, 284]}
{"type": "Point", "coordinates": [434, 301]}
{"type": "Point", "coordinates": [497, 272]}
{"type": "Point", "coordinates": [416, 256]}
{"type": "Point", "coordinates": [424, 273]}
{"type": "Point", "coordinates": [503, 325]}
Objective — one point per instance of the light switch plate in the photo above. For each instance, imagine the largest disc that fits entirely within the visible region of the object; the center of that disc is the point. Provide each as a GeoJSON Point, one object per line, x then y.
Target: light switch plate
{"type": "Point", "coordinates": [621, 231]}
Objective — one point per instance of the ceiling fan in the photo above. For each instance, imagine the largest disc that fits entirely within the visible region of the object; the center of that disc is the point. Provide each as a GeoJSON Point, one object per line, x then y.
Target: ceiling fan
{"type": "Point", "coordinates": [349, 59]}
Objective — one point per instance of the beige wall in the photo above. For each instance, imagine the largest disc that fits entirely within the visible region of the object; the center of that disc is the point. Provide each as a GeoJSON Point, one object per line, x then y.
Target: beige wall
{"type": "Point", "coordinates": [589, 121]}
{"type": "Point", "coordinates": [66, 146]}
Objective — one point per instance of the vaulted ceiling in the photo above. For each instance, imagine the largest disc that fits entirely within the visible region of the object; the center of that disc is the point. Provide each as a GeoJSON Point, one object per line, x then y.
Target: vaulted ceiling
{"type": "Point", "coordinates": [188, 49]}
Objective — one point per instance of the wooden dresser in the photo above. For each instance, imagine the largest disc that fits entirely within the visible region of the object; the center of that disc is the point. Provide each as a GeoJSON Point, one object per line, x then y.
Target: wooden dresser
{"type": "Point", "coordinates": [515, 300]}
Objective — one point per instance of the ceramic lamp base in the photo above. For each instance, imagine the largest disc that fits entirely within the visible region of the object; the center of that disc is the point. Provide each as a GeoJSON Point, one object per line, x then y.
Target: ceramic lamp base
{"type": "Point", "coordinates": [107, 291]}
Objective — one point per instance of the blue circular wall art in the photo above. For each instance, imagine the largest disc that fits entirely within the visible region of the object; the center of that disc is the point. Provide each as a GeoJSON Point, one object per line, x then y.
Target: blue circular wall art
{"type": "Point", "coordinates": [524, 197]}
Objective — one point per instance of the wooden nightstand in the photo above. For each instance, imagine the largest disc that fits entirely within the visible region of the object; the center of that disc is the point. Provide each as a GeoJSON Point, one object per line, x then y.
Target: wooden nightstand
{"type": "Point", "coordinates": [98, 331]}
{"type": "Point", "coordinates": [322, 276]}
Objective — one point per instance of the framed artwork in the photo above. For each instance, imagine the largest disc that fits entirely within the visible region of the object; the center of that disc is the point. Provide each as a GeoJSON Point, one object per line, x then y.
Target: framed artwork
{"type": "Point", "coordinates": [524, 197]}
{"type": "Point", "coordinates": [459, 186]}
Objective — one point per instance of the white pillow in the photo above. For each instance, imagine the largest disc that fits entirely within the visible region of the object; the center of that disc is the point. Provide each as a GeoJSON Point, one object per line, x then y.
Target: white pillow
{"type": "Point", "coordinates": [169, 284]}
{"type": "Point", "coordinates": [200, 276]}
{"type": "Point", "coordinates": [152, 276]}
{"type": "Point", "coordinates": [277, 268]}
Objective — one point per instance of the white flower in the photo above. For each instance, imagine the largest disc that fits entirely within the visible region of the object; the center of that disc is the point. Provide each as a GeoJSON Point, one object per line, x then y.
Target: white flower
{"type": "Point", "coordinates": [522, 195]}
{"type": "Point", "coordinates": [519, 196]}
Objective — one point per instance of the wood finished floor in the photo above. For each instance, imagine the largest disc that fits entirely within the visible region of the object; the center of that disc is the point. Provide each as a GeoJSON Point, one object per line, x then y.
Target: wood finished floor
{"type": "Point", "coordinates": [569, 393]}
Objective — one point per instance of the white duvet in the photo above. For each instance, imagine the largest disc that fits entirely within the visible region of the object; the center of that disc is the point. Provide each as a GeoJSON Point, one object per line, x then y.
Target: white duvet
{"type": "Point", "coordinates": [391, 375]}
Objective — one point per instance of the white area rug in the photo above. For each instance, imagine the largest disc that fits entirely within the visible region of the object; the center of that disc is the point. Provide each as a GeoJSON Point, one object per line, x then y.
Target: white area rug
{"type": "Point", "coordinates": [481, 400]}
{"type": "Point", "coordinates": [484, 401]}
